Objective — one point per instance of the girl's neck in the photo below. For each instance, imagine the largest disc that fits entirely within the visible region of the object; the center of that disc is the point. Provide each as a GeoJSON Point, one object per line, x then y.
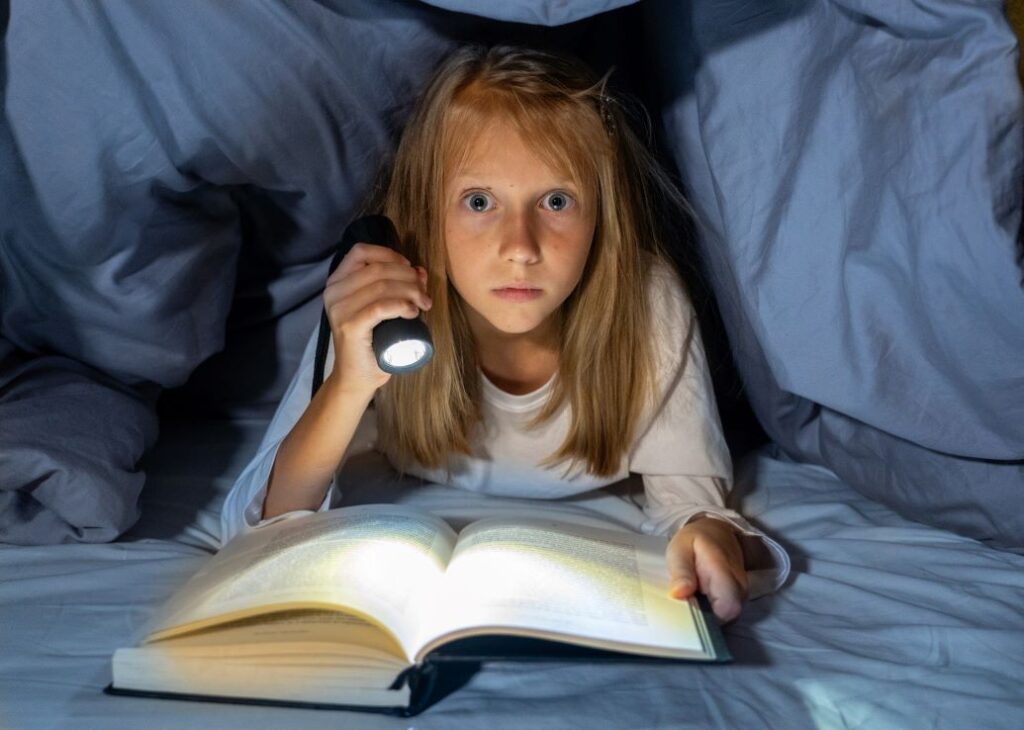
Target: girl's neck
{"type": "Point", "coordinates": [517, 364]}
{"type": "Point", "coordinates": [522, 372]}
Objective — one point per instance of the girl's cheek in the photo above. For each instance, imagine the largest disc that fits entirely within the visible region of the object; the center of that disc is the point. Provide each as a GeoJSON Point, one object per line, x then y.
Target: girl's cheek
{"type": "Point", "coordinates": [568, 230]}
{"type": "Point", "coordinates": [475, 223]}
{"type": "Point", "coordinates": [561, 223]}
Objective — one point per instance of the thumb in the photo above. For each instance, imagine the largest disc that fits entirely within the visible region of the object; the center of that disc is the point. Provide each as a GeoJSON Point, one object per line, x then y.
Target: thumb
{"type": "Point", "coordinates": [681, 567]}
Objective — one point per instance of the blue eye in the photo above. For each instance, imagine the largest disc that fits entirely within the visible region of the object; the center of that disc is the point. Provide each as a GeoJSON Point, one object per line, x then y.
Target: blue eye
{"type": "Point", "coordinates": [558, 201]}
{"type": "Point", "coordinates": [477, 202]}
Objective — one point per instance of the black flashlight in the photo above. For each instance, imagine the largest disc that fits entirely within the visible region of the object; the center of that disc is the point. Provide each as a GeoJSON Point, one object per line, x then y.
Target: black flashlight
{"type": "Point", "coordinates": [400, 345]}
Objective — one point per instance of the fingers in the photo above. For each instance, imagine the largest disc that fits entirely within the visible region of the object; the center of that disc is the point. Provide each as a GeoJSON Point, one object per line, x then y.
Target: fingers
{"type": "Point", "coordinates": [362, 254]}
{"type": "Point", "coordinates": [719, 583]}
{"type": "Point", "coordinates": [357, 325]}
{"type": "Point", "coordinates": [681, 566]}
{"type": "Point", "coordinates": [400, 277]}
{"type": "Point", "coordinates": [372, 284]}
{"type": "Point", "coordinates": [709, 559]}
{"type": "Point", "coordinates": [379, 281]}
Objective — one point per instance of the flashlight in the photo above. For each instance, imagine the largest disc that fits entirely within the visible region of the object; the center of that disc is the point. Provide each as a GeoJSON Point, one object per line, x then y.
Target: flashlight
{"type": "Point", "coordinates": [401, 345]}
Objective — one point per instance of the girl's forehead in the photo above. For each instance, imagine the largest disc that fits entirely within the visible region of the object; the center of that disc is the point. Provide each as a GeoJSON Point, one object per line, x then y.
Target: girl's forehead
{"type": "Point", "coordinates": [498, 143]}
{"type": "Point", "coordinates": [496, 139]}
{"type": "Point", "coordinates": [493, 133]}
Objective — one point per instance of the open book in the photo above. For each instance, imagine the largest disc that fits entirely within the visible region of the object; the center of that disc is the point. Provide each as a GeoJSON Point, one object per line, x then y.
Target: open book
{"type": "Point", "coordinates": [348, 607]}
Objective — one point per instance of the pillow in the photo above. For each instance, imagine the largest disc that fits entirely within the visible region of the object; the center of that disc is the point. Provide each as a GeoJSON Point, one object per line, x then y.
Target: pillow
{"type": "Point", "coordinates": [71, 438]}
{"type": "Point", "coordinates": [856, 166]}
{"type": "Point", "coordinates": [537, 12]}
{"type": "Point", "coordinates": [170, 163]}
{"type": "Point", "coordinates": [161, 166]}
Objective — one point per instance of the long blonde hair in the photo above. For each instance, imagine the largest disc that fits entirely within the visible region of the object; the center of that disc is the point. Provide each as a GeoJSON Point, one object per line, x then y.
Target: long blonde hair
{"type": "Point", "coordinates": [606, 368]}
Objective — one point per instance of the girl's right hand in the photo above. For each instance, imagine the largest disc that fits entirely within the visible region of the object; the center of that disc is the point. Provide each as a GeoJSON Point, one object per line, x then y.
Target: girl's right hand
{"type": "Point", "coordinates": [371, 284]}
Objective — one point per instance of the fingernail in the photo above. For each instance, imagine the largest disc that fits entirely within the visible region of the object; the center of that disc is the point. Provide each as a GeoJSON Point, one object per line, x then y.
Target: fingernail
{"type": "Point", "coordinates": [681, 589]}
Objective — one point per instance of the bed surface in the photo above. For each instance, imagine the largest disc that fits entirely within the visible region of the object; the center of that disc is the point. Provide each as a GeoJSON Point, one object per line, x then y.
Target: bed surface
{"type": "Point", "coordinates": [884, 623]}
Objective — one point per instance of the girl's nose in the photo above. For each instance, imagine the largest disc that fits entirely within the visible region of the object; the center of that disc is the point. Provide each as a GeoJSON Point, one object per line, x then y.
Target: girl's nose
{"type": "Point", "coordinates": [519, 242]}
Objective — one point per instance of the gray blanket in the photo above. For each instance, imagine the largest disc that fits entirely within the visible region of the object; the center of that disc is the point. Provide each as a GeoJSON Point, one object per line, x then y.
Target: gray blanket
{"type": "Point", "coordinates": [173, 178]}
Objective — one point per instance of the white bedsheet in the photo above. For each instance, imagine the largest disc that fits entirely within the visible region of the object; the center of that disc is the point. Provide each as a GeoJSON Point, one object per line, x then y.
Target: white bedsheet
{"type": "Point", "coordinates": [884, 624]}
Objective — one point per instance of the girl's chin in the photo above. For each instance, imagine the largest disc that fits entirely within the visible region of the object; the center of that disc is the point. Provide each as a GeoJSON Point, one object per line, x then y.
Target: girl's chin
{"type": "Point", "coordinates": [514, 330]}
{"type": "Point", "coordinates": [508, 321]}
{"type": "Point", "coordinates": [516, 327]}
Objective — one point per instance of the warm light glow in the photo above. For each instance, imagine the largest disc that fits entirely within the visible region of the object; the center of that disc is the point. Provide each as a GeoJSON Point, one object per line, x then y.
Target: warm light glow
{"type": "Point", "coordinates": [382, 578]}
{"type": "Point", "coordinates": [405, 353]}
{"type": "Point", "coordinates": [561, 579]}
{"type": "Point", "coordinates": [393, 567]}
{"type": "Point", "coordinates": [373, 566]}
{"type": "Point", "coordinates": [546, 579]}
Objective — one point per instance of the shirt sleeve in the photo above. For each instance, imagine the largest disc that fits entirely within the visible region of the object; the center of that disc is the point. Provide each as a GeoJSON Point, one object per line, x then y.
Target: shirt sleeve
{"type": "Point", "coordinates": [682, 456]}
{"type": "Point", "coordinates": [243, 506]}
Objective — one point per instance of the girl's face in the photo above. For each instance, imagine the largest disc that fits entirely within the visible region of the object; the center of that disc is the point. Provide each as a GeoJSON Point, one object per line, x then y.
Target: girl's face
{"type": "Point", "coordinates": [518, 234]}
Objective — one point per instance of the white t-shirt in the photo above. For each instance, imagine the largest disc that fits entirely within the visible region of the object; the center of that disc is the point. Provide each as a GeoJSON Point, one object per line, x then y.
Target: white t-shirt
{"type": "Point", "coordinates": [680, 454]}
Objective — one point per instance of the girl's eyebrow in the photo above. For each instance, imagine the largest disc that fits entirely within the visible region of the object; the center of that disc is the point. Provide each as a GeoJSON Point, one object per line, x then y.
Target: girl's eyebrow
{"type": "Point", "coordinates": [460, 179]}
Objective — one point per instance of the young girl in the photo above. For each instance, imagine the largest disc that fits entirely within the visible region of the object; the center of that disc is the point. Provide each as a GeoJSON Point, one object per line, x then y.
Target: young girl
{"type": "Point", "coordinates": [567, 354]}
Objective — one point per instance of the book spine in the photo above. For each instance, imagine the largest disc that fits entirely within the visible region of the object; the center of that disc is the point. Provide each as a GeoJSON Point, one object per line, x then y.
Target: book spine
{"type": "Point", "coordinates": [422, 679]}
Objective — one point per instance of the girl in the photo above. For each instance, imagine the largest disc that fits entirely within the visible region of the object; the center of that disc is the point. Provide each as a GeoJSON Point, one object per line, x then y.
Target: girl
{"type": "Point", "coordinates": [567, 354]}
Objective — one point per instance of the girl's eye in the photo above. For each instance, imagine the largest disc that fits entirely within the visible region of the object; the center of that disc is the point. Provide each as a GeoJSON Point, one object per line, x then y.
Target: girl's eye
{"type": "Point", "coordinates": [478, 202]}
{"type": "Point", "coordinates": [557, 201]}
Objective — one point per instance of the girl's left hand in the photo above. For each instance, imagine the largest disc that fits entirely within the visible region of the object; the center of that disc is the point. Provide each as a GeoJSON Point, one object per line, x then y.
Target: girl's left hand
{"type": "Point", "coordinates": [705, 555]}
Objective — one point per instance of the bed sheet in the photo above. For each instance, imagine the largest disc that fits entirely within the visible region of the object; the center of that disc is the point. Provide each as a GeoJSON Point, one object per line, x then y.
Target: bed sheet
{"type": "Point", "coordinates": [884, 622]}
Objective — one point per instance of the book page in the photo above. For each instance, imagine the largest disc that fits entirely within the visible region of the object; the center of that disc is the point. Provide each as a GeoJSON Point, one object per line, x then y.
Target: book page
{"type": "Point", "coordinates": [313, 654]}
{"type": "Point", "coordinates": [556, 578]}
{"type": "Point", "coordinates": [296, 631]}
{"type": "Point", "coordinates": [378, 561]}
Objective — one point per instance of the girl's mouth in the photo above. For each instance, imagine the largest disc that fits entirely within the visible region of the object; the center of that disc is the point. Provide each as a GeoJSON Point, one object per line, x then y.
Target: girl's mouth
{"type": "Point", "coordinates": [518, 294]}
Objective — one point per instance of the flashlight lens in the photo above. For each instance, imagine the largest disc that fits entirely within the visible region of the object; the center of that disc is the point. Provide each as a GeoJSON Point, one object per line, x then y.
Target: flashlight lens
{"type": "Point", "coordinates": [404, 353]}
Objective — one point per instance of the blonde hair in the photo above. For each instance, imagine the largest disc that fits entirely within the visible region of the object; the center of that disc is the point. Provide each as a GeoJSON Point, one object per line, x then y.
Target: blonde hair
{"type": "Point", "coordinates": [606, 368]}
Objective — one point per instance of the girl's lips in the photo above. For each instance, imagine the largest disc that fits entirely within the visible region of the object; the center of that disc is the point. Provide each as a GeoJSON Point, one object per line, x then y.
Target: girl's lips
{"type": "Point", "coordinates": [518, 295]}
